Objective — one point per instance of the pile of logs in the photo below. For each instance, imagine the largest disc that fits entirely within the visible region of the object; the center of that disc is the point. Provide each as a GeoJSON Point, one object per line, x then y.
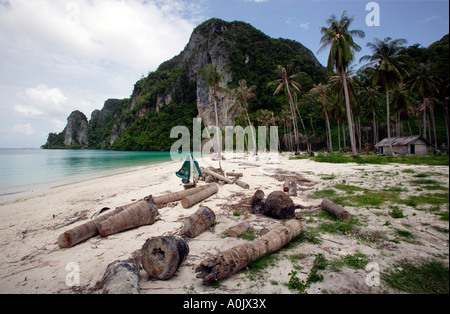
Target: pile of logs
{"type": "Point", "coordinates": [211, 175]}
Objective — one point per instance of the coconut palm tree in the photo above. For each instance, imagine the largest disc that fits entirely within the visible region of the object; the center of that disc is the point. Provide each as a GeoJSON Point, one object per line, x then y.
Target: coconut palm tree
{"type": "Point", "coordinates": [342, 47]}
{"type": "Point", "coordinates": [214, 78]}
{"type": "Point", "coordinates": [286, 82]}
{"type": "Point", "coordinates": [322, 91]}
{"type": "Point", "coordinates": [390, 68]}
{"type": "Point", "coordinates": [424, 84]}
{"type": "Point", "coordinates": [264, 117]}
{"type": "Point", "coordinates": [242, 94]}
{"type": "Point", "coordinates": [370, 96]}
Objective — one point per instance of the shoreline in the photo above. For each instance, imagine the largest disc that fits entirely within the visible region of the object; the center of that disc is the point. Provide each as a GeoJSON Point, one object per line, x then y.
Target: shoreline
{"type": "Point", "coordinates": [32, 262]}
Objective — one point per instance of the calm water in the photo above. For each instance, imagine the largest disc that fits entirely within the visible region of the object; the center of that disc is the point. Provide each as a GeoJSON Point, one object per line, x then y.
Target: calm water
{"type": "Point", "coordinates": [24, 169]}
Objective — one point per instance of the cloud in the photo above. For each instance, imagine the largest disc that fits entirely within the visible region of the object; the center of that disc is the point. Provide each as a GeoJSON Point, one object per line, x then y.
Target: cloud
{"type": "Point", "coordinates": [25, 129]}
{"type": "Point", "coordinates": [305, 26]}
{"type": "Point", "coordinates": [27, 111]}
{"type": "Point", "coordinates": [42, 100]}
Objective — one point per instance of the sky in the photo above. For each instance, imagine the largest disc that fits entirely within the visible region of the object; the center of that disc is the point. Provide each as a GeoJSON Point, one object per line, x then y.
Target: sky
{"type": "Point", "coordinates": [57, 56]}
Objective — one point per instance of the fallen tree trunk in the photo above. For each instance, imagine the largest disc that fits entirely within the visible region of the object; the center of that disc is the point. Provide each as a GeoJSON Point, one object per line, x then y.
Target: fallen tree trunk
{"type": "Point", "coordinates": [286, 186]}
{"type": "Point", "coordinates": [257, 202]}
{"type": "Point", "coordinates": [230, 262]}
{"type": "Point", "coordinates": [224, 179]}
{"type": "Point", "coordinates": [178, 196]}
{"type": "Point", "coordinates": [121, 277]}
{"type": "Point", "coordinates": [234, 174]}
{"type": "Point", "coordinates": [279, 205]}
{"type": "Point", "coordinates": [336, 210]}
{"type": "Point", "coordinates": [134, 215]}
{"type": "Point", "coordinates": [239, 229]}
{"type": "Point", "coordinates": [199, 222]}
{"type": "Point", "coordinates": [193, 199]}
{"type": "Point", "coordinates": [161, 256]}
{"type": "Point", "coordinates": [85, 231]}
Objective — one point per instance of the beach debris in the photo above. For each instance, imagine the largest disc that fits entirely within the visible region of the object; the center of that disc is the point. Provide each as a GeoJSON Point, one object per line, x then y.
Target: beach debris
{"type": "Point", "coordinates": [199, 222]}
{"type": "Point", "coordinates": [234, 174]}
{"type": "Point", "coordinates": [336, 210]}
{"type": "Point", "coordinates": [142, 213]}
{"type": "Point", "coordinates": [171, 197]}
{"type": "Point", "coordinates": [239, 229]}
{"type": "Point", "coordinates": [85, 231]}
{"type": "Point", "coordinates": [230, 262]}
{"type": "Point", "coordinates": [161, 256]}
{"type": "Point", "coordinates": [121, 277]}
{"type": "Point", "coordinates": [257, 202]}
{"type": "Point", "coordinates": [220, 177]}
{"type": "Point", "coordinates": [279, 205]}
{"type": "Point", "coordinates": [193, 199]}
{"type": "Point", "coordinates": [292, 191]}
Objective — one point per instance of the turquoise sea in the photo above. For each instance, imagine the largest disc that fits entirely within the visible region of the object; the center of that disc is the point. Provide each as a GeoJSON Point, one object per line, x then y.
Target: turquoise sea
{"type": "Point", "coordinates": [26, 170]}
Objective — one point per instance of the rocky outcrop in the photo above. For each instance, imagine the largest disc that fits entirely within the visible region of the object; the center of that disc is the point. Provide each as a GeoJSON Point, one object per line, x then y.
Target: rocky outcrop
{"type": "Point", "coordinates": [76, 131]}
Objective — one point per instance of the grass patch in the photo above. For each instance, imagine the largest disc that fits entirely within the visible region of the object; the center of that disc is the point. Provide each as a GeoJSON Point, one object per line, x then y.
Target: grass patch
{"type": "Point", "coordinates": [380, 160]}
{"type": "Point", "coordinates": [349, 188]}
{"type": "Point", "coordinates": [422, 277]}
{"type": "Point", "coordinates": [324, 194]}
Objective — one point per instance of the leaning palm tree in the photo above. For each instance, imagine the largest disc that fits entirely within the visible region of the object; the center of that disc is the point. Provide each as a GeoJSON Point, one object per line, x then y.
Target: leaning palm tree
{"type": "Point", "coordinates": [390, 67]}
{"type": "Point", "coordinates": [322, 91]}
{"type": "Point", "coordinates": [213, 78]}
{"type": "Point", "coordinates": [242, 94]}
{"type": "Point", "coordinates": [342, 46]}
{"type": "Point", "coordinates": [286, 82]}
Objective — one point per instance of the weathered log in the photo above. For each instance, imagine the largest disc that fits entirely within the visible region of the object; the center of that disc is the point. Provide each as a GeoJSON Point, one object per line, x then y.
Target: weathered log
{"type": "Point", "coordinates": [199, 222]}
{"type": "Point", "coordinates": [263, 231]}
{"type": "Point", "coordinates": [177, 196]}
{"type": "Point", "coordinates": [242, 184]}
{"type": "Point", "coordinates": [161, 256]}
{"type": "Point", "coordinates": [121, 277]}
{"type": "Point", "coordinates": [193, 199]}
{"type": "Point", "coordinates": [134, 215]}
{"type": "Point", "coordinates": [230, 262]}
{"type": "Point", "coordinates": [85, 231]}
{"type": "Point", "coordinates": [224, 179]}
{"type": "Point", "coordinates": [279, 205]}
{"type": "Point", "coordinates": [239, 229]}
{"type": "Point", "coordinates": [292, 188]}
{"type": "Point", "coordinates": [257, 202]}
{"type": "Point", "coordinates": [336, 210]}
{"type": "Point", "coordinates": [234, 174]}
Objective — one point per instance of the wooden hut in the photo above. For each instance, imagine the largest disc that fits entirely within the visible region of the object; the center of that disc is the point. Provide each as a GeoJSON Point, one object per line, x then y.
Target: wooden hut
{"type": "Point", "coordinates": [407, 145]}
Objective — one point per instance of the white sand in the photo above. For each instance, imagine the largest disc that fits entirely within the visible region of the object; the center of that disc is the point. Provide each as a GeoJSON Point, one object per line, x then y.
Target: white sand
{"type": "Point", "coordinates": [32, 262]}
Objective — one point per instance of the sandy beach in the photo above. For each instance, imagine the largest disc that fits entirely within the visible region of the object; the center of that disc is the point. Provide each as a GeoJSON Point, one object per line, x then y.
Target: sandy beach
{"type": "Point", "coordinates": [32, 262]}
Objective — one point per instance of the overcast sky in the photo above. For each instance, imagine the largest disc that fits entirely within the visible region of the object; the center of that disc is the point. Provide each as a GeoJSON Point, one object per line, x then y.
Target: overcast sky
{"type": "Point", "coordinates": [57, 56]}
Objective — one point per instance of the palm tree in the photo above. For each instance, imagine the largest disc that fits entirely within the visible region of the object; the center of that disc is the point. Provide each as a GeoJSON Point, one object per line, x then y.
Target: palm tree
{"type": "Point", "coordinates": [401, 101]}
{"type": "Point", "coordinates": [370, 96]}
{"type": "Point", "coordinates": [340, 39]}
{"type": "Point", "coordinates": [285, 117]}
{"type": "Point", "coordinates": [390, 67]}
{"type": "Point", "coordinates": [322, 91]}
{"type": "Point", "coordinates": [264, 118]}
{"type": "Point", "coordinates": [424, 84]}
{"type": "Point", "coordinates": [287, 82]}
{"type": "Point", "coordinates": [213, 78]}
{"type": "Point", "coordinates": [242, 94]}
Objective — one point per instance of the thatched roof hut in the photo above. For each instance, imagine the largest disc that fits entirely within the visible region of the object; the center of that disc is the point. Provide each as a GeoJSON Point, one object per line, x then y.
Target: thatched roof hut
{"type": "Point", "coordinates": [407, 145]}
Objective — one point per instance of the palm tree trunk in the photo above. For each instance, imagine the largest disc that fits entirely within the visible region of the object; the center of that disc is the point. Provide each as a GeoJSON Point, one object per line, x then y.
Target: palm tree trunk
{"type": "Point", "coordinates": [330, 147]}
{"type": "Point", "coordinates": [389, 124]}
{"type": "Point", "coordinates": [339, 136]}
{"type": "Point", "coordinates": [425, 117]}
{"type": "Point", "coordinates": [344, 137]}
{"type": "Point", "coordinates": [446, 121]}
{"type": "Point", "coordinates": [349, 115]}
{"type": "Point", "coordinates": [374, 131]}
{"type": "Point", "coordinates": [434, 127]}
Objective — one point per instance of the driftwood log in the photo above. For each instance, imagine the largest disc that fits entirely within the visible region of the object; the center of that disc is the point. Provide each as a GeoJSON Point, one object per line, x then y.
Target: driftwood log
{"type": "Point", "coordinates": [279, 205]}
{"type": "Point", "coordinates": [257, 202]}
{"type": "Point", "coordinates": [134, 215]}
{"type": "Point", "coordinates": [193, 199]}
{"type": "Point", "coordinates": [199, 222]}
{"type": "Point", "coordinates": [336, 210]}
{"type": "Point", "coordinates": [178, 196]}
{"type": "Point", "coordinates": [286, 186]}
{"type": "Point", "coordinates": [161, 256]}
{"type": "Point", "coordinates": [292, 191]}
{"type": "Point", "coordinates": [121, 277]}
{"type": "Point", "coordinates": [224, 179]}
{"type": "Point", "coordinates": [239, 229]}
{"type": "Point", "coordinates": [230, 262]}
{"type": "Point", "coordinates": [85, 231]}
{"type": "Point", "coordinates": [235, 174]}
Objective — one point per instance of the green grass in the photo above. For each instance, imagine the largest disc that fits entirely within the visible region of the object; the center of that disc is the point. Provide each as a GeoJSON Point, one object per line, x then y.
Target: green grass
{"type": "Point", "coordinates": [419, 277]}
{"type": "Point", "coordinates": [380, 160]}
